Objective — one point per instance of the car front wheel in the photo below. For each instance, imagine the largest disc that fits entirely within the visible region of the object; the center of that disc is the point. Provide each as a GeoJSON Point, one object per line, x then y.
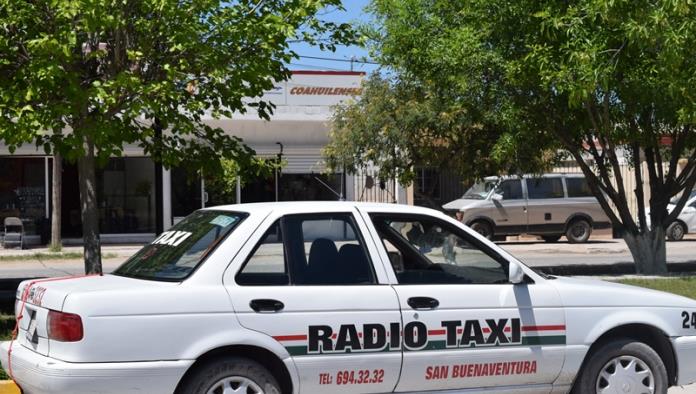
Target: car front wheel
{"type": "Point", "coordinates": [483, 228]}
{"type": "Point", "coordinates": [230, 375]}
{"type": "Point", "coordinates": [623, 366]}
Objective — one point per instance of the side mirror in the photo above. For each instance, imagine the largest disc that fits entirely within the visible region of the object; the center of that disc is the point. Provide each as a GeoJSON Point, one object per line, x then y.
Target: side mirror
{"type": "Point", "coordinates": [515, 273]}
{"type": "Point", "coordinates": [497, 197]}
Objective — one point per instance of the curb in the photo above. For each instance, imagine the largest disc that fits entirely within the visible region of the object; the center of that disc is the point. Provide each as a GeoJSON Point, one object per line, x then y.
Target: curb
{"type": "Point", "coordinates": [8, 387]}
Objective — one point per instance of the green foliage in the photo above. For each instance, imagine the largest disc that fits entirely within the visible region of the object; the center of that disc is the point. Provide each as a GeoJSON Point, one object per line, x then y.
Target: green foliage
{"type": "Point", "coordinates": [438, 103]}
{"type": "Point", "coordinates": [79, 72]}
{"type": "Point", "coordinates": [486, 86]}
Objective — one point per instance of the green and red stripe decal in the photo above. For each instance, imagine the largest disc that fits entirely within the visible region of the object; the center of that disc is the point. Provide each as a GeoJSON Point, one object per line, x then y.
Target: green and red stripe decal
{"type": "Point", "coordinates": [543, 335]}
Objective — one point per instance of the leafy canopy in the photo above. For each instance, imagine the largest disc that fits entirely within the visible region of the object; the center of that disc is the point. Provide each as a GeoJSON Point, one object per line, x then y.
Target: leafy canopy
{"type": "Point", "coordinates": [105, 71]}
{"type": "Point", "coordinates": [437, 102]}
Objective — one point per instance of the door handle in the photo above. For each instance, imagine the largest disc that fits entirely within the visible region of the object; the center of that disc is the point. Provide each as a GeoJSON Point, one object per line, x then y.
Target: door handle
{"type": "Point", "coordinates": [420, 303]}
{"type": "Point", "coordinates": [266, 305]}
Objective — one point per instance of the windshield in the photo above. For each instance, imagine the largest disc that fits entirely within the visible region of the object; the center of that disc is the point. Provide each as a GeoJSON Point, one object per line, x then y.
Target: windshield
{"type": "Point", "coordinates": [480, 190]}
{"type": "Point", "coordinates": [675, 199]}
{"type": "Point", "coordinates": [176, 253]}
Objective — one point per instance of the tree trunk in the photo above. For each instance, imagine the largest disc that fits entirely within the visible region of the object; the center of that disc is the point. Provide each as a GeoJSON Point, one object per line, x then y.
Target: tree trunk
{"type": "Point", "coordinates": [649, 250]}
{"type": "Point", "coordinates": [86, 166]}
{"type": "Point", "coordinates": [56, 212]}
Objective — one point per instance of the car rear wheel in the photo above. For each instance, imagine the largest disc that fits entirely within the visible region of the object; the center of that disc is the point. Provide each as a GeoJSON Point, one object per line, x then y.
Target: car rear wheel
{"type": "Point", "coordinates": [623, 366]}
{"type": "Point", "coordinates": [230, 375]}
{"type": "Point", "coordinates": [676, 231]}
{"type": "Point", "coordinates": [578, 231]}
{"type": "Point", "coordinates": [483, 228]}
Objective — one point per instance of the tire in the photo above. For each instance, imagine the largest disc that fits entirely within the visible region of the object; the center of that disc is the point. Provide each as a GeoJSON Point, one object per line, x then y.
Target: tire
{"type": "Point", "coordinates": [551, 238]}
{"type": "Point", "coordinates": [578, 231]}
{"type": "Point", "coordinates": [483, 228]}
{"type": "Point", "coordinates": [676, 231]}
{"type": "Point", "coordinates": [635, 358]}
{"type": "Point", "coordinates": [212, 376]}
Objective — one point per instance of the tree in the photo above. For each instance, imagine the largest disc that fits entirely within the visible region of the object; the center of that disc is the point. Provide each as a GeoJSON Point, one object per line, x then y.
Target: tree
{"type": "Point", "coordinates": [86, 78]}
{"type": "Point", "coordinates": [598, 79]}
{"type": "Point", "coordinates": [56, 197]}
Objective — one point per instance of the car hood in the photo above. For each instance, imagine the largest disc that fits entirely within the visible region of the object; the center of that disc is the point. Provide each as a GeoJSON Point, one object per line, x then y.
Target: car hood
{"type": "Point", "coordinates": [593, 292]}
{"type": "Point", "coordinates": [462, 204]}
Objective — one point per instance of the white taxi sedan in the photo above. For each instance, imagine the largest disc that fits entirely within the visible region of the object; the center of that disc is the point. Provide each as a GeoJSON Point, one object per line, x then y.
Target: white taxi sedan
{"type": "Point", "coordinates": [342, 297]}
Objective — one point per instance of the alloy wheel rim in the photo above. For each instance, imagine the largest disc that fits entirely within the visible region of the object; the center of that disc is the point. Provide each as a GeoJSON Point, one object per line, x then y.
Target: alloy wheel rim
{"type": "Point", "coordinates": [235, 384]}
{"type": "Point", "coordinates": [677, 232]}
{"type": "Point", "coordinates": [625, 375]}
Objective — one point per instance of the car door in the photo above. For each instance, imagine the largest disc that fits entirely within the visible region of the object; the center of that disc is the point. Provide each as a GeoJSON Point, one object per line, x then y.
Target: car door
{"type": "Point", "coordinates": [510, 212]}
{"type": "Point", "coordinates": [546, 205]}
{"type": "Point", "coordinates": [309, 282]}
{"type": "Point", "coordinates": [464, 324]}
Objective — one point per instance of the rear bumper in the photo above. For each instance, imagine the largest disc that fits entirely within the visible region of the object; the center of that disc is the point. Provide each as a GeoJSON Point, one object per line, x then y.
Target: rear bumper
{"type": "Point", "coordinates": [35, 373]}
{"type": "Point", "coordinates": [685, 352]}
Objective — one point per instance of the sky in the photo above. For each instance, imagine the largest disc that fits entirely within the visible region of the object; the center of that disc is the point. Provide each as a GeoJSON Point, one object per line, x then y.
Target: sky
{"type": "Point", "coordinates": [354, 12]}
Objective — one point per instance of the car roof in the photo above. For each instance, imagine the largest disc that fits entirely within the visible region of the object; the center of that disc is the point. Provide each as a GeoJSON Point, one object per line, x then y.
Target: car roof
{"type": "Point", "coordinates": [322, 206]}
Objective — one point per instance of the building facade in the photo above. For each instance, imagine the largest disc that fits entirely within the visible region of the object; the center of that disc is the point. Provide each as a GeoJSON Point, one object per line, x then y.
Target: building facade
{"type": "Point", "coordinates": [132, 210]}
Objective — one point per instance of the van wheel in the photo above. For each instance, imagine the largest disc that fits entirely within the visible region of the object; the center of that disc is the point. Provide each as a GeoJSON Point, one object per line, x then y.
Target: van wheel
{"type": "Point", "coordinates": [676, 231]}
{"type": "Point", "coordinates": [482, 228]}
{"type": "Point", "coordinates": [623, 366]}
{"type": "Point", "coordinates": [551, 238]}
{"type": "Point", "coordinates": [230, 375]}
{"type": "Point", "coordinates": [578, 231]}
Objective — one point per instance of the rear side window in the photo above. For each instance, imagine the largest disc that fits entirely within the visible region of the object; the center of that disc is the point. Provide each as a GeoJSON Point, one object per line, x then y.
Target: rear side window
{"type": "Point", "coordinates": [578, 187]}
{"type": "Point", "coordinates": [176, 253]}
{"type": "Point", "coordinates": [317, 249]}
{"type": "Point", "coordinates": [538, 188]}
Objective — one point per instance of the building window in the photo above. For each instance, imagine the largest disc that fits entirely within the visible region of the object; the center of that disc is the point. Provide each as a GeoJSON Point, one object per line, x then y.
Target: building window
{"type": "Point", "coordinates": [428, 183]}
{"type": "Point", "coordinates": [23, 193]}
{"type": "Point", "coordinates": [127, 196]}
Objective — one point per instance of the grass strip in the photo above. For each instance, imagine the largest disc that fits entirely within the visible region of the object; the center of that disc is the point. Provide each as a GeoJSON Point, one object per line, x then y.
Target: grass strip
{"type": "Point", "coordinates": [684, 285]}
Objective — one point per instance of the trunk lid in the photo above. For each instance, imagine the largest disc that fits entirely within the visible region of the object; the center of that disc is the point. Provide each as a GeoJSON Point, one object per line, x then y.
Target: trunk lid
{"type": "Point", "coordinates": [36, 298]}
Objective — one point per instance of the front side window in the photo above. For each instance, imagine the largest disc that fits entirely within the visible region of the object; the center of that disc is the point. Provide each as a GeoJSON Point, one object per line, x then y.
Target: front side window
{"type": "Point", "coordinates": [510, 189]}
{"type": "Point", "coordinates": [425, 250]}
{"type": "Point", "coordinates": [317, 249]}
{"type": "Point", "coordinates": [176, 253]}
{"type": "Point", "coordinates": [539, 188]}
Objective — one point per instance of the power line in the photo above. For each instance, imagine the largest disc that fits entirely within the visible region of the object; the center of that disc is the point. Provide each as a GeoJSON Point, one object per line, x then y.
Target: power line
{"type": "Point", "coordinates": [316, 67]}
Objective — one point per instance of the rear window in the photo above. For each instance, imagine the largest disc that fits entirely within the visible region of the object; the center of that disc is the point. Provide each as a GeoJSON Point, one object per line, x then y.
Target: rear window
{"type": "Point", "coordinates": [578, 187]}
{"type": "Point", "coordinates": [176, 253]}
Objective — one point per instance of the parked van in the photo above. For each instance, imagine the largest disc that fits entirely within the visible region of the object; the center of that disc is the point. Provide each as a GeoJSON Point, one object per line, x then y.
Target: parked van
{"type": "Point", "coordinates": [550, 206]}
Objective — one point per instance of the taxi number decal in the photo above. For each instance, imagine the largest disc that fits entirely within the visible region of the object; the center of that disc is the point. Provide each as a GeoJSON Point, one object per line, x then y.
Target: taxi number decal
{"type": "Point", "coordinates": [689, 320]}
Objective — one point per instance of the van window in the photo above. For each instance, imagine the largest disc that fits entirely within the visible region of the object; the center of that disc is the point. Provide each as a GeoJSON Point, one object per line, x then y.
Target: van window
{"type": "Point", "coordinates": [538, 188]}
{"type": "Point", "coordinates": [510, 189]}
{"type": "Point", "coordinates": [578, 187]}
